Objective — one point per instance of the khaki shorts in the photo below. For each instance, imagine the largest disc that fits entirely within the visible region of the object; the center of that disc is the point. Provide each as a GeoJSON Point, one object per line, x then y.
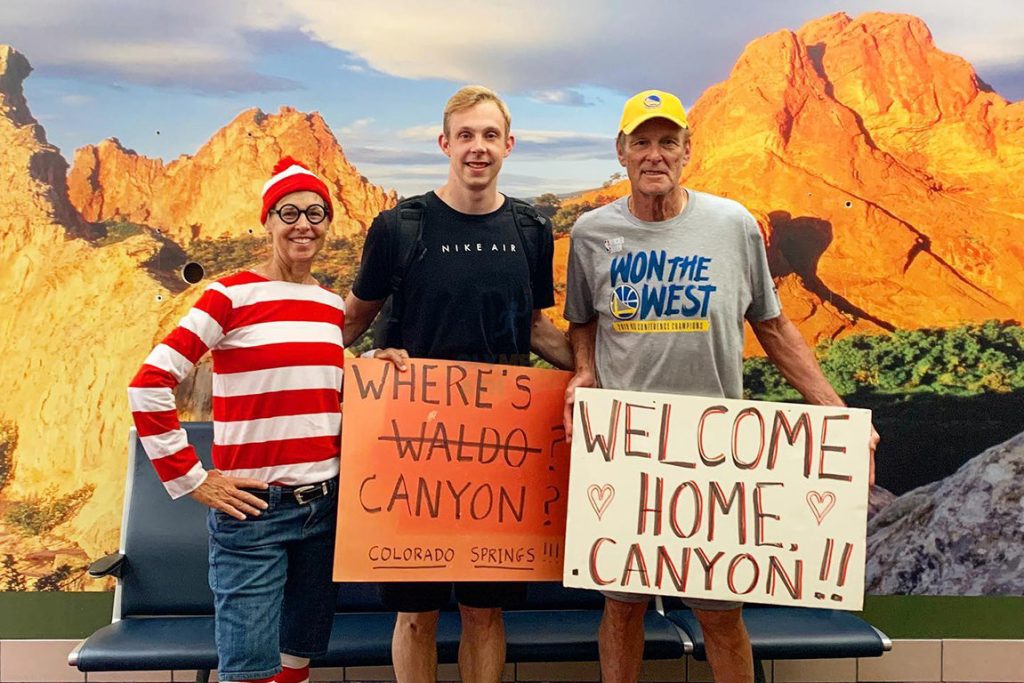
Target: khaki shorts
{"type": "Point", "coordinates": [692, 603]}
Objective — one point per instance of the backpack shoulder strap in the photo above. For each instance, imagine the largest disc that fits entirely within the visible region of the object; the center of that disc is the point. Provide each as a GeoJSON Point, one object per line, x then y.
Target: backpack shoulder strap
{"type": "Point", "coordinates": [406, 238]}
{"type": "Point", "coordinates": [405, 243]}
{"type": "Point", "coordinates": [531, 225]}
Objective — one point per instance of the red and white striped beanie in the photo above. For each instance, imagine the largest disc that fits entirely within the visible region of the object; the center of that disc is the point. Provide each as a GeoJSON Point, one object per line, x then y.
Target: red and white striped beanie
{"type": "Point", "coordinates": [292, 176]}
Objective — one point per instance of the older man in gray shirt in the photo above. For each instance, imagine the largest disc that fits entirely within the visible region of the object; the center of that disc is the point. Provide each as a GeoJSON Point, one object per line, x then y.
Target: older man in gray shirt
{"type": "Point", "coordinates": [658, 286]}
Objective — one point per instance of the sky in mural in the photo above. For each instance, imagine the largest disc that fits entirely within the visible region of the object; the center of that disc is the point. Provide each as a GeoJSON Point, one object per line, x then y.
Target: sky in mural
{"type": "Point", "coordinates": [163, 76]}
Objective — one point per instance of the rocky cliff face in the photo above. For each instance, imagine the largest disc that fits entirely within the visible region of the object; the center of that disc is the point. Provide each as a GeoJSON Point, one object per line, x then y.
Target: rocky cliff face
{"type": "Point", "coordinates": [959, 536]}
{"type": "Point", "coordinates": [32, 171]}
{"type": "Point", "coordinates": [879, 169]}
{"type": "Point", "coordinates": [935, 114]}
{"type": "Point", "coordinates": [108, 181]}
{"type": "Point", "coordinates": [212, 194]}
{"type": "Point", "coordinates": [76, 321]}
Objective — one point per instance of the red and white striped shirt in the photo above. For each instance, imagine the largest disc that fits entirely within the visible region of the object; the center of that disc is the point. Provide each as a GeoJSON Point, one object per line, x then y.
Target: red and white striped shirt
{"type": "Point", "coordinates": [277, 371]}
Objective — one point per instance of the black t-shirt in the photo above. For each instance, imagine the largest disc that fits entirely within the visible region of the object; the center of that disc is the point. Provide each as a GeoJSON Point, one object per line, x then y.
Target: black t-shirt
{"type": "Point", "coordinates": [470, 296]}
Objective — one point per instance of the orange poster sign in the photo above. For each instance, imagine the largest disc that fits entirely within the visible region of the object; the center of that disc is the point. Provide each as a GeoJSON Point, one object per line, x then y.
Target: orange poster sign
{"type": "Point", "coordinates": [451, 471]}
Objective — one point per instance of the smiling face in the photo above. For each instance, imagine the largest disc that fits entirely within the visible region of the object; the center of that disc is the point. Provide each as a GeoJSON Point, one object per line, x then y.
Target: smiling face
{"type": "Point", "coordinates": [476, 145]}
{"type": "Point", "coordinates": [654, 155]}
{"type": "Point", "coordinates": [302, 240]}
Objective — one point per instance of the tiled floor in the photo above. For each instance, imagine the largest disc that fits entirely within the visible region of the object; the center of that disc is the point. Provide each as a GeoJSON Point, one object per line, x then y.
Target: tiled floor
{"type": "Point", "coordinates": [911, 661]}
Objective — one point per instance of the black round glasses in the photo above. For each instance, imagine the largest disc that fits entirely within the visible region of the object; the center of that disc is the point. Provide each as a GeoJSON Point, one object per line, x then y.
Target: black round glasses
{"type": "Point", "coordinates": [289, 213]}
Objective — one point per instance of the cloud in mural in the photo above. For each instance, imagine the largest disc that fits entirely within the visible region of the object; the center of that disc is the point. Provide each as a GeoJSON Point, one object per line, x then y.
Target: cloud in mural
{"type": "Point", "coordinates": [205, 47]}
{"type": "Point", "coordinates": [356, 126]}
{"type": "Point", "coordinates": [394, 157]}
{"type": "Point", "coordinates": [548, 144]}
{"type": "Point", "coordinates": [566, 96]}
{"type": "Point", "coordinates": [544, 50]}
{"type": "Point", "coordinates": [548, 51]}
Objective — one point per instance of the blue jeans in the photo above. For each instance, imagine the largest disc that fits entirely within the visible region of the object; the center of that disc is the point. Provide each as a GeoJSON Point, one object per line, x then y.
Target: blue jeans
{"type": "Point", "coordinates": [272, 584]}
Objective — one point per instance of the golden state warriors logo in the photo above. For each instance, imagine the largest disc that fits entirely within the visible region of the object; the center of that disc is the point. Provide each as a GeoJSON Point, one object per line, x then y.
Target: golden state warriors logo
{"type": "Point", "coordinates": [652, 101]}
{"type": "Point", "coordinates": [625, 302]}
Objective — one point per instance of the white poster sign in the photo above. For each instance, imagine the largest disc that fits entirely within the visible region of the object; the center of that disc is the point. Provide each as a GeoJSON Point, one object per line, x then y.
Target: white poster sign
{"type": "Point", "coordinates": [717, 498]}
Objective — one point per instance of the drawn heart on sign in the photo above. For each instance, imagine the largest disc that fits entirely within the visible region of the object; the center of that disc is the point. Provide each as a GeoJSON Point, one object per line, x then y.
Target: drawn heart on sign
{"type": "Point", "coordinates": [821, 504]}
{"type": "Point", "coordinates": [600, 497]}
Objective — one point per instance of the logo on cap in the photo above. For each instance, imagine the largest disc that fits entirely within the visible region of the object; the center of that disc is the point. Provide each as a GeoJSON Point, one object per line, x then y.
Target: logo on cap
{"type": "Point", "coordinates": [652, 101]}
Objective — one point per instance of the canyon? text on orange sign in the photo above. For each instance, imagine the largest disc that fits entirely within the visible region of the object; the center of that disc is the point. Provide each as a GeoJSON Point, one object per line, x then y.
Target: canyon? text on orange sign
{"type": "Point", "coordinates": [451, 471]}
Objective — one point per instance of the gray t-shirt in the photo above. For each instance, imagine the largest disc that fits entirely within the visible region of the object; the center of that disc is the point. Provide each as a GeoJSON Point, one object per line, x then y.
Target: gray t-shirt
{"type": "Point", "coordinates": [670, 297]}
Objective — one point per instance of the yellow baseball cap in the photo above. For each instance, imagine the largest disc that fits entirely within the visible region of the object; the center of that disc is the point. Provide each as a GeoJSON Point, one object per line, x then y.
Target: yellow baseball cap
{"type": "Point", "coordinates": [652, 104]}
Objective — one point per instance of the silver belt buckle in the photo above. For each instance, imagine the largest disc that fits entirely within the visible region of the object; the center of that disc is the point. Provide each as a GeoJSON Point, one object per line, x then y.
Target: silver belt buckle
{"type": "Point", "coordinates": [310, 492]}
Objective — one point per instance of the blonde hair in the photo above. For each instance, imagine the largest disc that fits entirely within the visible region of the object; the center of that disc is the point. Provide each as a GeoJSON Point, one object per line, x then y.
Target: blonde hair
{"type": "Point", "coordinates": [470, 96]}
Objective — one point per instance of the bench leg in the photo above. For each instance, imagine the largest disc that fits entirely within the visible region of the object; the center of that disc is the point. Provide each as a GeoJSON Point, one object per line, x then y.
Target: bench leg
{"type": "Point", "coordinates": [203, 676]}
{"type": "Point", "coordinates": [759, 672]}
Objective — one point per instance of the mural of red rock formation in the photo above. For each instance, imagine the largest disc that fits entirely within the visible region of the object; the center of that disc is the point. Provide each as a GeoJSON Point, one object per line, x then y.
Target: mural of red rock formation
{"type": "Point", "coordinates": [881, 170]}
{"type": "Point", "coordinates": [78, 313]}
{"type": "Point", "coordinates": [75, 320]}
{"type": "Point", "coordinates": [925, 107]}
{"type": "Point", "coordinates": [210, 194]}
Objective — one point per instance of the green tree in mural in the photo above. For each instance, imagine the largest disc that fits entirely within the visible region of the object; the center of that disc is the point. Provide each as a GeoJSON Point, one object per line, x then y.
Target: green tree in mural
{"type": "Point", "coordinates": [762, 381]}
{"type": "Point", "coordinates": [612, 179]}
{"type": "Point", "coordinates": [59, 579]}
{"type": "Point", "coordinates": [118, 230]}
{"type": "Point", "coordinates": [227, 254]}
{"type": "Point", "coordinates": [547, 204]}
{"type": "Point", "coordinates": [567, 214]}
{"type": "Point", "coordinates": [40, 513]}
{"type": "Point", "coordinates": [336, 265]}
{"type": "Point", "coordinates": [966, 360]}
{"type": "Point", "coordinates": [8, 443]}
{"type": "Point", "coordinates": [11, 579]}
{"type": "Point", "coordinates": [335, 268]}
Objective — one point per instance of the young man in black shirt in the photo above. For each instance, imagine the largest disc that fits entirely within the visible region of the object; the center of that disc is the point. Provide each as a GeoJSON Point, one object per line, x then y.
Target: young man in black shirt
{"type": "Point", "coordinates": [473, 292]}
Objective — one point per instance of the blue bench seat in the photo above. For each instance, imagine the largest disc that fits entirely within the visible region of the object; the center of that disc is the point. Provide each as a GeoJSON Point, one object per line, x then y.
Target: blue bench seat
{"type": "Point", "coordinates": [163, 608]}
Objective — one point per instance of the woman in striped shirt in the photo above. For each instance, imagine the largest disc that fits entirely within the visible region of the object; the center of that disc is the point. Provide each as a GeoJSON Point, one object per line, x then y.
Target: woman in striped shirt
{"type": "Point", "coordinates": [275, 337]}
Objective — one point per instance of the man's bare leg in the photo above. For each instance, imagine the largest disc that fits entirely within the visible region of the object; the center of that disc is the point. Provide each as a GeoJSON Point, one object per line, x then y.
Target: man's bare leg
{"type": "Point", "coordinates": [727, 645]}
{"type": "Point", "coordinates": [414, 647]}
{"type": "Point", "coordinates": [620, 640]}
{"type": "Point", "coordinates": [482, 646]}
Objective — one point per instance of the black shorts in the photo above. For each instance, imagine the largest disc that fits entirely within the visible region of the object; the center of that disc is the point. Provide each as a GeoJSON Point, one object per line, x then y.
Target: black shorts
{"type": "Point", "coordinates": [423, 596]}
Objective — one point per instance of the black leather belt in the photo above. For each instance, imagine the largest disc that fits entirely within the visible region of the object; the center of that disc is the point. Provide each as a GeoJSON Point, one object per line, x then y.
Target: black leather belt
{"type": "Point", "coordinates": [303, 495]}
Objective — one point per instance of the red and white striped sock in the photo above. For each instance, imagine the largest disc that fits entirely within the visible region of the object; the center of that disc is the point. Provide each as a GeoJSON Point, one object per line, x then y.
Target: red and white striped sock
{"type": "Point", "coordinates": [293, 670]}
